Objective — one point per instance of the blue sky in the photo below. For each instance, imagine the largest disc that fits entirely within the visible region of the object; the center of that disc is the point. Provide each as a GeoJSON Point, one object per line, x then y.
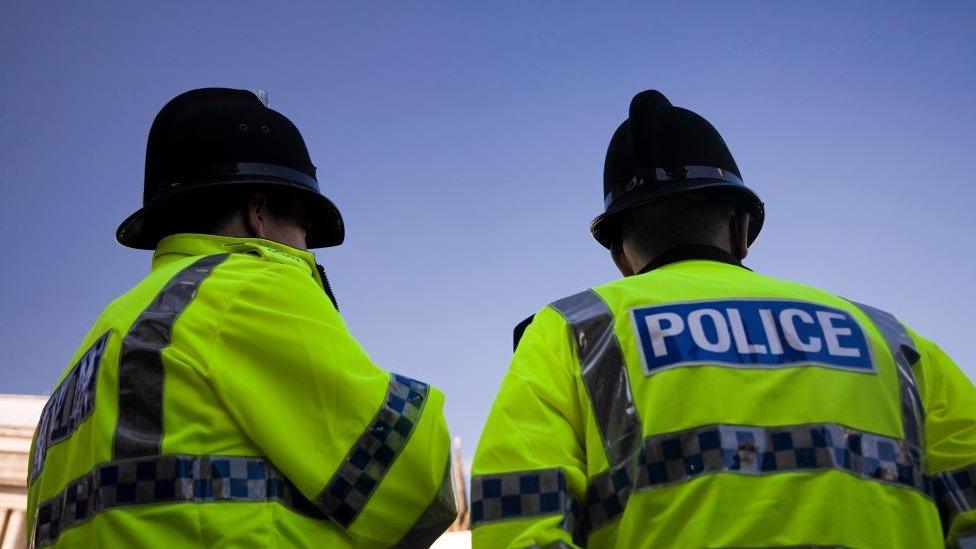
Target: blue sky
{"type": "Point", "coordinates": [464, 143]}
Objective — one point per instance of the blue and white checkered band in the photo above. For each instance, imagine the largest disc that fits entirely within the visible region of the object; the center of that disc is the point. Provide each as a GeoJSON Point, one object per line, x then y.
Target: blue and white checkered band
{"type": "Point", "coordinates": [166, 479]}
{"type": "Point", "coordinates": [680, 456]}
{"type": "Point", "coordinates": [375, 451]}
{"type": "Point", "coordinates": [662, 175]}
{"type": "Point", "coordinates": [522, 494]}
{"type": "Point", "coordinates": [70, 404]}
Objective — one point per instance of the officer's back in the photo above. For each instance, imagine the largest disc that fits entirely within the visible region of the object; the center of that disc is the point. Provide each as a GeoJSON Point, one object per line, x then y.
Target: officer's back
{"type": "Point", "coordinates": [695, 403]}
{"type": "Point", "coordinates": [222, 402]}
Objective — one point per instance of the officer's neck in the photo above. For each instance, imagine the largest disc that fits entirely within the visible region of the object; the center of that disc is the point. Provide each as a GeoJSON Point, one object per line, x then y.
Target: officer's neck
{"type": "Point", "coordinates": [686, 252]}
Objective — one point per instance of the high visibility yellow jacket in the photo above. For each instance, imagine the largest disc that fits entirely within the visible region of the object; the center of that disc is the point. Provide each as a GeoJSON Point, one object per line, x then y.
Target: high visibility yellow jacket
{"type": "Point", "coordinates": [704, 405]}
{"type": "Point", "coordinates": [222, 402]}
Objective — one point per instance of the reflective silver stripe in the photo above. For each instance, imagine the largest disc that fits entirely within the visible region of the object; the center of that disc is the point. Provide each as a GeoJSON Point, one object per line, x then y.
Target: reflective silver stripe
{"type": "Point", "coordinates": [166, 479]}
{"type": "Point", "coordinates": [436, 518]}
{"type": "Point", "coordinates": [905, 354]}
{"type": "Point", "coordinates": [140, 425]}
{"type": "Point", "coordinates": [345, 496]}
{"type": "Point", "coordinates": [604, 373]}
{"type": "Point", "coordinates": [522, 494]}
{"type": "Point", "coordinates": [955, 492]}
{"type": "Point", "coordinates": [967, 541]}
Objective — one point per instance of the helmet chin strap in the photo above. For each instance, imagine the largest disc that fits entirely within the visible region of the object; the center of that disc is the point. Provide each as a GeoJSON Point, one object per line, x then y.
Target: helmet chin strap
{"type": "Point", "coordinates": [735, 242]}
{"type": "Point", "coordinates": [326, 286]}
{"type": "Point", "coordinates": [617, 253]}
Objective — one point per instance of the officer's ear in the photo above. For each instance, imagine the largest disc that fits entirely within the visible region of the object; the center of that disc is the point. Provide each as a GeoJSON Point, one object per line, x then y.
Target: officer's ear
{"type": "Point", "coordinates": [620, 258]}
{"type": "Point", "coordinates": [256, 215]}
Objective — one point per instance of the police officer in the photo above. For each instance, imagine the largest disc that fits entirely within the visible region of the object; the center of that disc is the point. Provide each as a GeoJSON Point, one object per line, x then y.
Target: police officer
{"type": "Point", "coordinates": [695, 403]}
{"type": "Point", "coordinates": [222, 401]}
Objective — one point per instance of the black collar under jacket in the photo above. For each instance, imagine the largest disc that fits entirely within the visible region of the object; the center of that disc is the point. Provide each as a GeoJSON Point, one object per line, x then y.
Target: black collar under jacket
{"type": "Point", "coordinates": [685, 253]}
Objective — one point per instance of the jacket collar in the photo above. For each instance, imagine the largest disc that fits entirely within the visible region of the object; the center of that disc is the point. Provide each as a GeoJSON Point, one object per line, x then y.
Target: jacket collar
{"type": "Point", "coordinates": [685, 253]}
{"type": "Point", "coordinates": [178, 246]}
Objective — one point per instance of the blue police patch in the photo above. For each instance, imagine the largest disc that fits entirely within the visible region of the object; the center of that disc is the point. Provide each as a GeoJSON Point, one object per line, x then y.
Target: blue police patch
{"type": "Point", "coordinates": [750, 333]}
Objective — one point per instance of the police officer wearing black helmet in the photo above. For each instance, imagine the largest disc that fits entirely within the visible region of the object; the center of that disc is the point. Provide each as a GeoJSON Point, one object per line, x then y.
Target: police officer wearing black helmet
{"type": "Point", "coordinates": [695, 403]}
{"type": "Point", "coordinates": [196, 181]}
{"type": "Point", "coordinates": [222, 401]}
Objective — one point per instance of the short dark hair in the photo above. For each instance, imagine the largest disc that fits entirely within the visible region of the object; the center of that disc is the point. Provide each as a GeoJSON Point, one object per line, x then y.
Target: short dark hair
{"type": "Point", "coordinates": [694, 218]}
{"type": "Point", "coordinates": [209, 211]}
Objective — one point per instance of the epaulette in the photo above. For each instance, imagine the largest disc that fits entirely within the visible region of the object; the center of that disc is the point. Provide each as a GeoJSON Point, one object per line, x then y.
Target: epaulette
{"type": "Point", "coordinates": [519, 330]}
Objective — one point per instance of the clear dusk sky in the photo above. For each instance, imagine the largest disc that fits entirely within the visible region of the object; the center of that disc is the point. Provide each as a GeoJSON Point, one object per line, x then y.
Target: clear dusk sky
{"type": "Point", "coordinates": [464, 143]}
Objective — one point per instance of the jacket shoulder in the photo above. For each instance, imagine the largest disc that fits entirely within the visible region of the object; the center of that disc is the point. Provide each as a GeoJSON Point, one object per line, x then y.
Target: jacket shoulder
{"type": "Point", "coordinates": [519, 331]}
{"type": "Point", "coordinates": [255, 252]}
{"type": "Point", "coordinates": [560, 307]}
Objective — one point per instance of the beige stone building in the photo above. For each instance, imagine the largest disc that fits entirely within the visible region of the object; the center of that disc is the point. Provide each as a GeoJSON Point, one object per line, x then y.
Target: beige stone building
{"type": "Point", "coordinates": [18, 416]}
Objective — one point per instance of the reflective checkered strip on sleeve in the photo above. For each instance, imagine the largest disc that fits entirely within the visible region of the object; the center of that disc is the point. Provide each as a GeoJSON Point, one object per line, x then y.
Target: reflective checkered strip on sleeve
{"type": "Point", "coordinates": [522, 494]}
{"type": "Point", "coordinates": [373, 454]}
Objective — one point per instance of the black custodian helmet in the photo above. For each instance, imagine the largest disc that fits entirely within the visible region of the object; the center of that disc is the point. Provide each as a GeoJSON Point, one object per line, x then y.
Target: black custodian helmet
{"type": "Point", "coordinates": [213, 138]}
{"type": "Point", "coordinates": [662, 151]}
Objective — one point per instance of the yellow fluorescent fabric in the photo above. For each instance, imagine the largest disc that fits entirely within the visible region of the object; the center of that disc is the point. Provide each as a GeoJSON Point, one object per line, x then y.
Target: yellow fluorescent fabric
{"type": "Point", "coordinates": [259, 364]}
{"type": "Point", "coordinates": [542, 419]}
{"type": "Point", "coordinates": [950, 407]}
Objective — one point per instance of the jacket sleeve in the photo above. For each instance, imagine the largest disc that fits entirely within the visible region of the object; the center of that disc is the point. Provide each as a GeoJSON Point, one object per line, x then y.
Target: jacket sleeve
{"type": "Point", "coordinates": [529, 469]}
{"type": "Point", "coordinates": [949, 399]}
{"type": "Point", "coordinates": [369, 448]}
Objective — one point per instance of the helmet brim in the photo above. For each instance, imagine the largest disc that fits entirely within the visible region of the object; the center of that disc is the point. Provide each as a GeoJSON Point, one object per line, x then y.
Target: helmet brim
{"type": "Point", "coordinates": [140, 232]}
{"type": "Point", "coordinates": [606, 227]}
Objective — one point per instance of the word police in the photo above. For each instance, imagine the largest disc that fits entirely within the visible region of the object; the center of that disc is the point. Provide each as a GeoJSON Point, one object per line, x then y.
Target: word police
{"type": "Point", "coordinates": [750, 333]}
